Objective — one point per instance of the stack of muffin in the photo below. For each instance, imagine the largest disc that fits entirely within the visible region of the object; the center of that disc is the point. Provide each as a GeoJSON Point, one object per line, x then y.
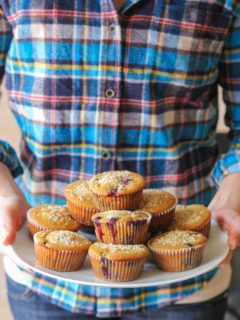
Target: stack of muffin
{"type": "Point", "coordinates": [124, 216]}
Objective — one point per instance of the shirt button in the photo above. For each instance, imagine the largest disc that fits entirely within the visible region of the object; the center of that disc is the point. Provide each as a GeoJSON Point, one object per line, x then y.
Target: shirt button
{"type": "Point", "coordinates": [112, 28]}
{"type": "Point", "coordinates": [106, 155]}
{"type": "Point", "coordinates": [110, 93]}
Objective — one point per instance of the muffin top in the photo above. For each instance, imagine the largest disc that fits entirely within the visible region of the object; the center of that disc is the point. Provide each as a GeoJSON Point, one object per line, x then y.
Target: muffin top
{"type": "Point", "coordinates": [53, 217]}
{"type": "Point", "coordinates": [116, 183]}
{"type": "Point", "coordinates": [61, 240]}
{"type": "Point", "coordinates": [118, 252]}
{"type": "Point", "coordinates": [156, 200]}
{"type": "Point", "coordinates": [79, 191]}
{"type": "Point", "coordinates": [190, 217]}
{"type": "Point", "coordinates": [119, 216]}
{"type": "Point", "coordinates": [176, 239]}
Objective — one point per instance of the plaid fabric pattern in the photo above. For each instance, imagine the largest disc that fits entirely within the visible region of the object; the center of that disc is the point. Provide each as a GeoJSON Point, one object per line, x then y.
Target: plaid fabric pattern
{"type": "Point", "coordinates": [94, 90]}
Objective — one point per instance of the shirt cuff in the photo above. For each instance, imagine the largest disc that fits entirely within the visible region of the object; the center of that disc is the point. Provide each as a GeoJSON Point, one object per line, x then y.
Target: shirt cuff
{"type": "Point", "coordinates": [226, 164]}
{"type": "Point", "coordinates": [9, 158]}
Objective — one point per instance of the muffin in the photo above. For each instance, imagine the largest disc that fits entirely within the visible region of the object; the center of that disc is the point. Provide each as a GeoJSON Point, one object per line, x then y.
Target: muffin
{"type": "Point", "coordinates": [161, 204]}
{"type": "Point", "coordinates": [119, 263]}
{"type": "Point", "coordinates": [61, 250]}
{"type": "Point", "coordinates": [195, 217]}
{"type": "Point", "coordinates": [50, 217]}
{"type": "Point", "coordinates": [80, 202]}
{"type": "Point", "coordinates": [121, 226]}
{"type": "Point", "coordinates": [117, 190]}
{"type": "Point", "coordinates": [177, 250]}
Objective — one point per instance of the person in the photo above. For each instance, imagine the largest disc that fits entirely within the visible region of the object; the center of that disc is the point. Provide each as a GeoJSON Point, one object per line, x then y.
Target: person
{"type": "Point", "coordinates": [111, 85]}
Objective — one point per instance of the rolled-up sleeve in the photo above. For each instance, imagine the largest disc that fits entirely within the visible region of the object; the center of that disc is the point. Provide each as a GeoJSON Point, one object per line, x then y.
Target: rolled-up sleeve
{"type": "Point", "coordinates": [8, 155]}
{"type": "Point", "coordinates": [229, 79]}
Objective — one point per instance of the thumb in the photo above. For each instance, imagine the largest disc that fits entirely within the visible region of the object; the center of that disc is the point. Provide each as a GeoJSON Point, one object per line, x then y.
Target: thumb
{"type": "Point", "coordinates": [227, 259]}
{"type": "Point", "coordinates": [8, 229]}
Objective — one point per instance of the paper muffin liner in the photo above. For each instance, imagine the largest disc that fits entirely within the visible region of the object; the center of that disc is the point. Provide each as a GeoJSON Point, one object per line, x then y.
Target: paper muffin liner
{"type": "Point", "coordinates": [80, 213]}
{"type": "Point", "coordinates": [204, 228]}
{"type": "Point", "coordinates": [162, 220]}
{"type": "Point", "coordinates": [129, 232]}
{"type": "Point", "coordinates": [177, 260]}
{"type": "Point", "coordinates": [60, 260]}
{"type": "Point", "coordinates": [119, 271]}
{"type": "Point", "coordinates": [34, 227]}
{"type": "Point", "coordinates": [129, 202]}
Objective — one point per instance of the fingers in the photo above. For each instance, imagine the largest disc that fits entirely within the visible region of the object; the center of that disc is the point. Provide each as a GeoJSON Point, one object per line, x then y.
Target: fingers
{"type": "Point", "coordinates": [20, 223]}
{"type": "Point", "coordinates": [233, 240]}
{"type": "Point", "coordinates": [232, 228]}
{"type": "Point", "coordinates": [12, 215]}
{"type": "Point", "coordinates": [225, 215]}
{"type": "Point", "coordinates": [8, 230]}
{"type": "Point", "coordinates": [9, 239]}
{"type": "Point", "coordinates": [229, 221]}
{"type": "Point", "coordinates": [11, 224]}
{"type": "Point", "coordinates": [8, 226]}
{"type": "Point", "coordinates": [227, 259]}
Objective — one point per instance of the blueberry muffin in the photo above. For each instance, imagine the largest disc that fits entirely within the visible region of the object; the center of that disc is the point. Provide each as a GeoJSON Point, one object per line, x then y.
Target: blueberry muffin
{"type": "Point", "coordinates": [80, 202]}
{"type": "Point", "coordinates": [61, 250]}
{"type": "Point", "coordinates": [118, 263]}
{"type": "Point", "coordinates": [50, 217]}
{"type": "Point", "coordinates": [117, 190]}
{"type": "Point", "coordinates": [195, 217]}
{"type": "Point", "coordinates": [121, 226]}
{"type": "Point", "coordinates": [177, 250]}
{"type": "Point", "coordinates": [161, 204]}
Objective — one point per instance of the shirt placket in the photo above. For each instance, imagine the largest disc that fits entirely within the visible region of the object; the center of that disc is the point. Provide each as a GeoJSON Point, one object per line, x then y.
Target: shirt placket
{"type": "Point", "coordinates": [110, 84]}
{"type": "Point", "coordinates": [109, 89]}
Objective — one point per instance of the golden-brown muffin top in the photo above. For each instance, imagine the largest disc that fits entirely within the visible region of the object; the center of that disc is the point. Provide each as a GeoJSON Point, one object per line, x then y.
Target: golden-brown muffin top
{"type": "Point", "coordinates": [61, 240]}
{"type": "Point", "coordinates": [156, 200]}
{"type": "Point", "coordinates": [176, 239]}
{"type": "Point", "coordinates": [116, 183]}
{"type": "Point", "coordinates": [190, 217]}
{"type": "Point", "coordinates": [79, 191]}
{"type": "Point", "coordinates": [118, 252]}
{"type": "Point", "coordinates": [120, 216]}
{"type": "Point", "coordinates": [53, 217]}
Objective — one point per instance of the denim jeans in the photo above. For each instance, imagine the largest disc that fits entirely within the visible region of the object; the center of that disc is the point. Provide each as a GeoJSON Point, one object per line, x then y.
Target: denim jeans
{"type": "Point", "coordinates": [27, 305]}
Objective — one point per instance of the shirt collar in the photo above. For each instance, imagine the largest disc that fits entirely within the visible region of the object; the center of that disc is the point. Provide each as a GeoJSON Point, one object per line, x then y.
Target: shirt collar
{"type": "Point", "coordinates": [127, 5]}
{"type": "Point", "coordinates": [108, 6]}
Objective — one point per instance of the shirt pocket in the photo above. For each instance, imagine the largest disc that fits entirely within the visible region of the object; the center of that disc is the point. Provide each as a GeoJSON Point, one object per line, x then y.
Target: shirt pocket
{"type": "Point", "coordinates": [191, 39]}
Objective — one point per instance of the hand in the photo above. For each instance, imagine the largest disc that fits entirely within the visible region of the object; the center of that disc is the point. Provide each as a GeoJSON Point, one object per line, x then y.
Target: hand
{"type": "Point", "coordinates": [12, 215]}
{"type": "Point", "coordinates": [227, 259]}
{"type": "Point", "coordinates": [225, 208]}
{"type": "Point", "coordinates": [229, 220]}
{"type": "Point", "coordinates": [13, 207]}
